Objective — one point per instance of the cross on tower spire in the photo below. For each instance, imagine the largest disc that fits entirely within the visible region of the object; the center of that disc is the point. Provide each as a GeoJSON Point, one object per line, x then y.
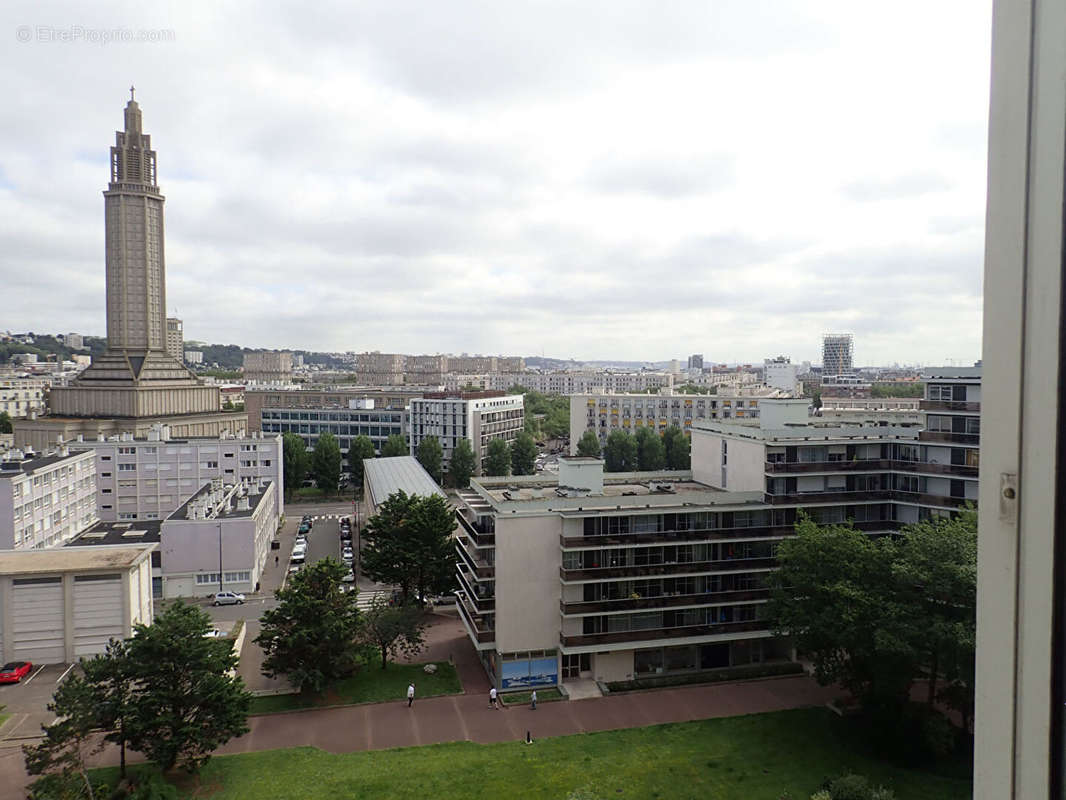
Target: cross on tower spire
{"type": "Point", "coordinates": [131, 91]}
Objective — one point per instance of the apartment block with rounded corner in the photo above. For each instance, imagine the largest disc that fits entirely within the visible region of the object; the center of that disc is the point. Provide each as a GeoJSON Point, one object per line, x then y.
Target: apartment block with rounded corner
{"type": "Point", "coordinates": [45, 500]}
{"type": "Point", "coordinates": [620, 576]}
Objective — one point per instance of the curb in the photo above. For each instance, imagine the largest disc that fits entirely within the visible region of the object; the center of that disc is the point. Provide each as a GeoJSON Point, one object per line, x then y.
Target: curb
{"type": "Point", "coordinates": [621, 692]}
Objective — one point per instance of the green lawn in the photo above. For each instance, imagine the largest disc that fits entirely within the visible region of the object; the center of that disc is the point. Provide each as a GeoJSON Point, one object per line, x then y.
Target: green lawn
{"type": "Point", "coordinates": [370, 685]}
{"type": "Point", "coordinates": [519, 698]}
{"type": "Point", "coordinates": [758, 757]}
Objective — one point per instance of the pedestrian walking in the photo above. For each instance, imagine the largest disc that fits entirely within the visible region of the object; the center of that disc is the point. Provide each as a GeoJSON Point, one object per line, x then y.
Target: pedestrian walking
{"type": "Point", "coordinates": [533, 700]}
{"type": "Point", "coordinates": [492, 698]}
{"type": "Point", "coordinates": [410, 694]}
{"type": "Point", "coordinates": [275, 561]}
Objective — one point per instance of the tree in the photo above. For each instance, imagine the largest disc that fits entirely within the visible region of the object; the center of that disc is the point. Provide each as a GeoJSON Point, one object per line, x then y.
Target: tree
{"type": "Point", "coordinates": [360, 448]}
{"type": "Point", "coordinates": [430, 456]}
{"type": "Point", "coordinates": [294, 456]}
{"type": "Point", "coordinates": [393, 630]}
{"type": "Point", "coordinates": [498, 460]}
{"type": "Point", "coordinates": [651, 452]}
{"type": "Point", "coordinates": [310, 637]}
{"type": "Point", "coordinates": [187, 704]}
{"type": "Point", "coordinates": [678, 449]}
{"type": "Point", "coordinates": [589, 445]}
{"type": "Point", "coordinates": [523, 454]}
{"type": "Point", "coordinates": [408, 544]}
{"type": "Point", "coordinates": [395, 445]}
{"type": "Point", "coordinates": [67, 743]}
{"type": "Point", "coordinates": [5, 423]}
{"type": "Point", "coordinates": [326, 463]}
{"type": "Point", "coordinates": [621, 452]}
{"type": "Point", "coordinates": [112, 679]}
{"type": "Point", "coordinates": [463, 464]}
{"type": "Point", "coordinates": [834, 593]}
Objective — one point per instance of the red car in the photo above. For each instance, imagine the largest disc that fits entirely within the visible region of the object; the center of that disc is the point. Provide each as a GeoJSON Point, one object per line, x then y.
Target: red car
{"type": "Point", "coordinates": [15, 671]}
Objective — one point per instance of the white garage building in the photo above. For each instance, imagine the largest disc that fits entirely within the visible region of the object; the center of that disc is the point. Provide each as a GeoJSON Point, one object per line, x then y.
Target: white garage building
{"type": "Point", "coordinates": [59, 605]}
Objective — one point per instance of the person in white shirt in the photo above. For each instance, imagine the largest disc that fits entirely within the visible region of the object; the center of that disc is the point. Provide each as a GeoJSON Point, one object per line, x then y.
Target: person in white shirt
{"type": "Point", "coordinates": [492, 698]}
{"type": "Point", "coordinates": [410, 694]}
{"type": "Point", "coordinates": [533, 700]}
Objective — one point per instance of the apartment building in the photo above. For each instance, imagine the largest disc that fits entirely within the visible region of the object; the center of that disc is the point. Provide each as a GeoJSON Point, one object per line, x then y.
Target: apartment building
{"type": "Point", "coordinates": [425, 370]}
{"type": "Point", "coordinates": [380, 369]}
{"type": "Point", "coordinates": [564, 383]}
{"type": "Point", "coordinates": [603, 413]}
{"type": "Point", "coordinates": [781, 373]}
{"type": "Point", "coordinates": [21, 396]}
{"type": "Point", "coordinates": [175, 344]}
{"type": "Point", "coordinates": [45, 500]}
{"type": "Point", "coordinates": [478, 417]}
{"type": "Point", "coordinates": [613, 576]}
{"type": "Point", "coordinates": [149, 478]}
{"type": "Point", "coordinates": [219, 539]}
{"type": "Point", "coordinates": [267, 366]}
{"type": "Point", "coordinates": [838, 351]}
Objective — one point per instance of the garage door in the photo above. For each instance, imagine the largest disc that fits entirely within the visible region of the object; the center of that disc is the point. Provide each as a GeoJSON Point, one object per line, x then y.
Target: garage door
{"type": "Point", "coordinates": [37, 620]}
{"type": "Point", "coordinates": [97, 613]}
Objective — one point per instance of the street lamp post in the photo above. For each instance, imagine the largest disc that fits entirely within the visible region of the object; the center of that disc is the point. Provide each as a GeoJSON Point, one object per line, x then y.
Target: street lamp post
{"type": "Point", "coordinates": [220, 555]}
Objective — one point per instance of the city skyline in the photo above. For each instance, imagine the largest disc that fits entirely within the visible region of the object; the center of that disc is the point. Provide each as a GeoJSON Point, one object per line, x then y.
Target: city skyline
{"type": "Point", "coordinates": [513, 203]}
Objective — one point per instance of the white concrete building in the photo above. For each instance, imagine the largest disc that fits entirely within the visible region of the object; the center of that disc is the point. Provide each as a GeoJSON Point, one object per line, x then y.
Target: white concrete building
{"type": "Point", "coordinates": [781, 373]}
{"type": "Point", "coordinates": [148, 478]}
{"type": "Point", "coordinates": [45, 500]}
{"type": "Point", "coordinates": [194, 357]}
{"type": "Point", "coordinates": [21, 396]}
{"type": "Point", "coordinates": [564, 383]}
{"type": "Point", "coordinates": [60, 605]}
{"type": "Point", "coordinates": [479, 417]}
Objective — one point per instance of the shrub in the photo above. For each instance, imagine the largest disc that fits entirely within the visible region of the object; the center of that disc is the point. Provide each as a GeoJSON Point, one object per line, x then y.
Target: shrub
{"type": "Point", "coordinates": [822, 794]}
{"type": "Point", "coordinates": [850, 787]}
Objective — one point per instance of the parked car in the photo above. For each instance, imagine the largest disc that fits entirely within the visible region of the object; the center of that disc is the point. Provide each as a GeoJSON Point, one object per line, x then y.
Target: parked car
{"type": "Point", "coordinates": [349, 577]}
{"type": "Point", "coordinates": [304, 529]}
{"type": "Point", "coordinates": [14, 671]}
{"type": "Point", "coordinates": [215, 633]}
{"type": "Point", "coordinates": [228, 599]}
{"type": "Point", "coordinates": [298, 556]}
{"type": "Point", "coordinates": [301, 541]}
{"type": "Point", "coordinates": [294, 568]}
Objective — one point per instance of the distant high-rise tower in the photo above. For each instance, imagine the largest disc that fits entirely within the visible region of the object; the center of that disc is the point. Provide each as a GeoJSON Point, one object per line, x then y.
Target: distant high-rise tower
{"type": "Point", "coordinates": [136, 382]}
{"type": "Point", "coordinates": [695, 361]}
{"type": "Point", "coordinates": [175, 338]}
{"type": "Point", "coordinates": [837, 354]}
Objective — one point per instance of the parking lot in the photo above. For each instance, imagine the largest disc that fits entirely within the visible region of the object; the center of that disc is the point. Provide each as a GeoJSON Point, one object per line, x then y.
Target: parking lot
{"type": "Point", "coordinates": [27, 701]}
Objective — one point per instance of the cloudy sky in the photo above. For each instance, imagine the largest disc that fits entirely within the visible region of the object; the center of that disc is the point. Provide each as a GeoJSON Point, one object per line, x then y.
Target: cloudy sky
{"type": "Point", "coordinates": [615, 179]}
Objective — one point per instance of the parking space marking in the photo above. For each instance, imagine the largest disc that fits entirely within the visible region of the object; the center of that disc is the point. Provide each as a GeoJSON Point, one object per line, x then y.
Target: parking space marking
{"type": "Point", "coordinates": [34, 675]}
{"type": "Point", "coordinates": [66, 672]}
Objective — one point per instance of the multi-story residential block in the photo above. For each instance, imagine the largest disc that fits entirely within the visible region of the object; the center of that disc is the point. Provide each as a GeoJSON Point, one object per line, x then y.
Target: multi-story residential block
{"type": "Point", "coordinates": [781, 373]}
{"type": "Point", "coordinates": [175, 338]}
{"type": "Point", "coordinates": [63, 604]}
{"type": "Point", "coordinates": [218, 540]}
{"type": "Point", "coordinates": [837, 354]}
{"type": "Point", "coordinates": [75, 341]}
{"type": "Point", "coordinates": [149, 478]}
{"type": "Point", "coordinates": [21, 396]}
{"type": "Point", "coordinates": [194, 357]}
{"type": "Point", "coordinates": [695, 362]}
{"type": "Point", "coordinates": [268, 366]}
{"type": "Point", "coordinates": [45, 500]}
{"type": "Point", "coordinates": [478, 417]}
{"type": "Point", "coordinates": [473, 364]}
{"type": "Point", "coordinates": [425, 370]}
{"type": "Point", "coordinates": [604, 413]}
{"type": "Point", "coordinates": [380, 369]}
{"type": "Point", "coordinates": [565, 383]}
{"type": "Point", "coordinates": [613, 576]}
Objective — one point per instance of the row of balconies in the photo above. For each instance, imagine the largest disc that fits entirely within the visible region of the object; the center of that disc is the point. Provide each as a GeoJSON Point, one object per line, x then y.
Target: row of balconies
{"type": "Point", "coordinates": [479, 567]}
{"type": "Point", "coordinates": [712, 534]}
{"type": "Point", "coordinates": [577, 575]}
{"type": "Point", "coordinates": [869, 465]}
{"type": "Point", "coordinates": [949, 405]}
{"type": "Point", "coordinates": [871, 495]}
{"type": "Point", "coordinates": [480, 604]}
{"type": "Point", "coordinates": [482, 631]}
{"type": "Point", "coordinates": [578, 608]}
{"type": "Point", "coordinates": [972, 439]}
{"type": "Point", "coordinates": [654, 634]}
{"type": "Point", "coordinates": [474, 532]}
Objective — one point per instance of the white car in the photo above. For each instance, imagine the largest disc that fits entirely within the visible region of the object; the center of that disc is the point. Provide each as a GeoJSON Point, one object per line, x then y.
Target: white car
{"type": "Point", "coordinates": [228, 599]}
{"type": "Point", "coordinates": [349, 577]}
{"type": "Point", "coordinates": [215, 633]}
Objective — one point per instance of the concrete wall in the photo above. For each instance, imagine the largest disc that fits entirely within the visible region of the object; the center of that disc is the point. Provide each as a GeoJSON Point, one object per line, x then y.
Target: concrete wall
{"type": "Point", "coordinates": [745, 462]}
{"type": "Point", "coordinates": [527, 583]}
{"type": "Point", "coordinates": [616, 666]}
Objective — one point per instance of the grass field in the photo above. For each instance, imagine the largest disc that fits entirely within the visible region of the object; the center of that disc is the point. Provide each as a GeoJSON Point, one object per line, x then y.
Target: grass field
{"type": "Point", "coordinates": [522, 698]}
{"type": "Point", "coordinates": [370, 685]}
{"type": "Point", "coordinates": [757, 757]}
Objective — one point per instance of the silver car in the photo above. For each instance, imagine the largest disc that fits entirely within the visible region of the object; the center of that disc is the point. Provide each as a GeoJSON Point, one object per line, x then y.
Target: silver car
{"type": "Point", "coordinates": [228, 599]}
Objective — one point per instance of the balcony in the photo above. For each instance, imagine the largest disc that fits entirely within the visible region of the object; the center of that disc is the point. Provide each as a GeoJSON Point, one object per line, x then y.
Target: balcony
{"type": "Point", "coordinates": [958, 470]}
{"type": "Point", "coordinates": [481, 604]}
{"type": "Point", "coordinates": [481, 569]}
{"type": "Point", "coordinates": [661, 601]}
{"type": "Point", "coordinates": [480, 538]}
{"type": "Point", "coordinates": [653, 634]}
{"type": "Point", "coordinates": [654, 570]}
{"type": "Point", "coordinates": [676, 537]}
{"type": "Point", "coordinates": [793, 467]}
{"type": "Point", "coordinates": [865, 496]}
{"type": "Point", "coordinates": [482, 633]}
{"type": "Point", "coordinates": [971, 439]}
{"type": "Point", "coordinates": [949, 406]}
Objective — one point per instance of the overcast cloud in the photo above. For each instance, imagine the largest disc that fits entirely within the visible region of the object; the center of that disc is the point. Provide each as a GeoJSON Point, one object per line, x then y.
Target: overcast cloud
{"type": "Point", "coordinates": [631, 180]}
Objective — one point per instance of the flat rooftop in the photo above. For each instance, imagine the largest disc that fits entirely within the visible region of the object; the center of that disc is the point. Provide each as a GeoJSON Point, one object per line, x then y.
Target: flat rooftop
{"type": "Point", "coordinates": [119, 533]}
{"type": "Point", "coordinates": [71, 559]}
{"type": "Point", "coordinates": [228, 513]}
{"type": "Point", "coordinates": [26, 465]}
{"type": "Point", "coordinates": [386, 476]}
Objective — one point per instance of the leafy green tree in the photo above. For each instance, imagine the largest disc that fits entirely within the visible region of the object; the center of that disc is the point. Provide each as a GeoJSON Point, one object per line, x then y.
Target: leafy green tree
{"type": "Point", "coordinates": [393, 630]}
{"type": "Point", "coordinates": [67, 744]}
{"type": "Point", "coordinates": [523, 455]}
{"type": "Point", "coordinates": [651, 452]}
{"type": "Point", "coordinates": [498, 460]}
{"type": "Point", "coordinates": [395, 445]}
{"type": "Point", "coordinates": [463, 464]}
{"type": "Point", "coordinates": [621, 452]}
{"type": "Point", "coordinates": [589, 445]}
{"type": "Point", "coordinates": [5, 423]}
{"type": "Point", "coordinates": [187, 705]}
{"type": "Point", "coordinates": [295, 459]}
{"type": "Point", "coordinates": [360, 448]}
{"type": "Point", "coordinates": [835, 594]}
{"type": "Point", "coordinates": [113, 681]}
{"type": "Point", "coordinates": [310, 637]}
{"type": "Point", "coordinates": [430, 456]}
{"type": "Point", "coordinates": [677, 445]}
{"type": "Point", "coordinates": [408, 544]}
{"type": "Point", "coordinates": [326, 463]}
